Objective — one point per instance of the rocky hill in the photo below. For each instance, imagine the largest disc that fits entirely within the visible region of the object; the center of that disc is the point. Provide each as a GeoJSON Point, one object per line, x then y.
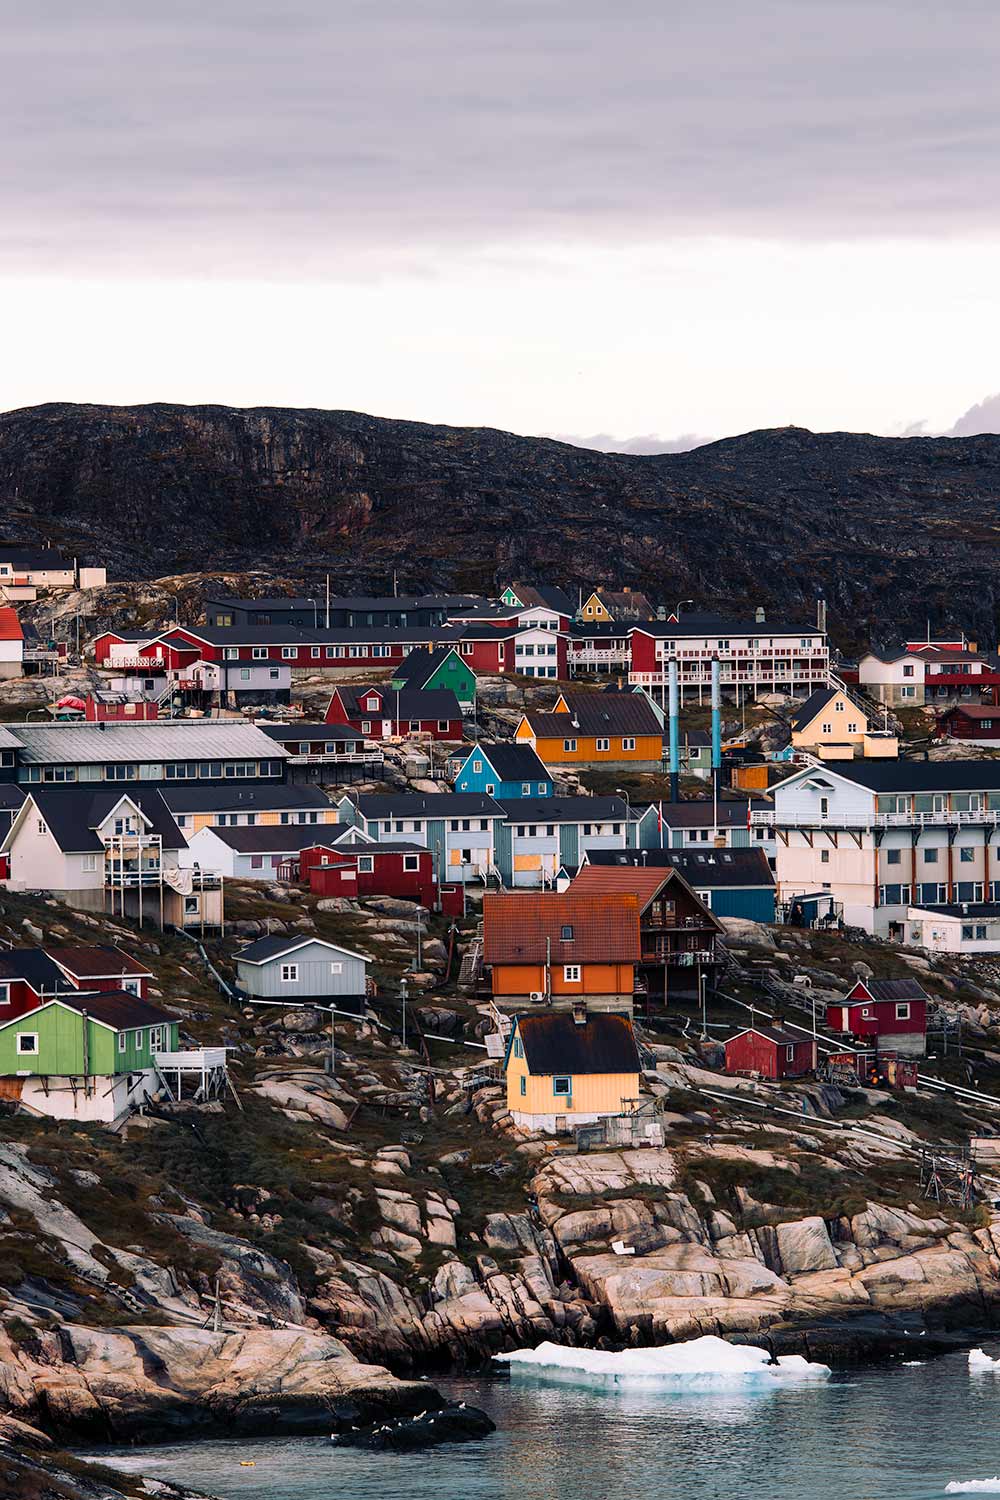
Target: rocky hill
{"type": "Point", "coordinates": [892, 530]}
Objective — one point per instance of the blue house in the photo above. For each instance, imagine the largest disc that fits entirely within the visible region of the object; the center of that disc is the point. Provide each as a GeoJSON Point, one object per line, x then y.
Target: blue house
{"type": "Point", "coordinates": [541, 836]}
{"type": "Point", "coordinates": [698, 822]}
{"type": "Point", "coordinates": [731, 882]}
{"type": "Point", "coordinates": [504, 770]}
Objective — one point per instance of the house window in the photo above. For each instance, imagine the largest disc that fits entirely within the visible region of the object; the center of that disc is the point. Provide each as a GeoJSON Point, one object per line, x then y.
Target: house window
{"type": "Point", "coordinates": [477, 766]}
{"type": "Point", "coordinates": [893, 856]}
{"type": "Point", "coordinates": [4, 994]}
{"type": "Point", "coordinates": [244, 674]}
{"type": "Point", "coordinates": [411, 861]}
{"type": "Point", "coordinates": [231, 653]}
{"type": "Point", "coordinates": [41, 827]}
{"type": "Point", "coordinates": [566, 933]}
{"type": "Point", "coordinates": [569, 747]}
{"type": "Point", "coordinates": [122, 1041]}
{"type": "Point", "coordinates": [337, 967]}
{"type": "Point", "coordinates": [824, 856]}
{"type": "Point", "coordinates": [137, 1040]}
{"type": "Point", "coordinates": [89, 864]}
{"type": "Point", "coordinates": [366, 864]}
{"type": "Point", "coordinates": [259, 653]}
{"type": "Point", "coordinates": [289, 973]}
{"type": "Point", "coordinates": [571, 973]}
{"type": "Point", "coordinates": [907, 692]}
{"type": "Point", "coordinates": [839, 707]}
{"type": "Point", "coordinates": [366, 726]}
{"type": "Point", "coordinates": [490, 788]}
{"type": "Point", "coordinates": [191, 906]}
{"type": "Point", "coordinates": [603, 744]}
{"type": "Point", "coordinates": [562, 1086]}
{"type": "Point", "coordinates": [289, 653]}
{"type": "Point", "coordinates": [902, 1012]}
{"type": "Point", "coordinates": [790, 1054]}
{"type": "Point", "coordinates": [930, 856]}
{"type": "Point", "coordinates": [256, 861]}
{"type": "Point", "coordinates": [524, 1085]}
{"type": "Point", "coordinates": [275, 674]}
{"type": "Point", "coordinates": [628, 744]}
{"type": "Point", "coordinates": [705, 896]}
{"type": "Point", "coordinates": [443, 726]}
{"type": "Point", "coordinates": [27, 1043]}
{"type": "Point", "coordinates": [315, 652]}
{"type": "Point", "coordinates": [907, 671]}
{"type": "Point", "coordinates": [966, 856]}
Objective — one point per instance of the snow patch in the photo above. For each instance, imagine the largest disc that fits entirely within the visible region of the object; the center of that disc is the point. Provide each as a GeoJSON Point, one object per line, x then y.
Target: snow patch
{"type": "Point", "coordinates": [980, 1360]}
{"type": "Point", "coordinates": [973, 1486]}
{"type": "Point", "coordinates": [705, 1362]}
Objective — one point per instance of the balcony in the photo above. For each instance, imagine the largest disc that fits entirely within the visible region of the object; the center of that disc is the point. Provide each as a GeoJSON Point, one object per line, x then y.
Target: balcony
{"type": "Point", "coordinates": [373, 758]}
{"type": "Point", "coordinates": [988, 817]}
{"type": "Point", "coordinates": [604, 658]}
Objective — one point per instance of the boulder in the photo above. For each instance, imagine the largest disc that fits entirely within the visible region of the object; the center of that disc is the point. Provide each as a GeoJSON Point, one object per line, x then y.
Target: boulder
{"type": "Point", "coordinates": [742, 933]}
{"type": "Point", "coordinates": [804, 1245]}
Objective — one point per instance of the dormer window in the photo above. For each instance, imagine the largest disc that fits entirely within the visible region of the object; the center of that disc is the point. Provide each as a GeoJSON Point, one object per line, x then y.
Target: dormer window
{"type": "Point", "coordinates": [566, 933]}
{"type": "Point", "coordinates": [372, 705]}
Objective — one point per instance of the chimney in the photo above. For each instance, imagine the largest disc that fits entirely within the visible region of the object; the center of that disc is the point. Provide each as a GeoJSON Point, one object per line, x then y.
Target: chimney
{"type": "Point", "coordinates": [579, 1012]}
{"type": "Point", "coordinates": [759, 614]}
{"type": "Point", "coordinates": [626, 589]}
{"type": "Point", "coordinates": [821, 615]}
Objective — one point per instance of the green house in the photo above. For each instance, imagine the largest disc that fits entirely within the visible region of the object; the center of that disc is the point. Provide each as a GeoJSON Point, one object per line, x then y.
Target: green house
{"type": "Point", "coordinates": [100, 1034]}
{"type": "Point", "coordinates": [441, 667]}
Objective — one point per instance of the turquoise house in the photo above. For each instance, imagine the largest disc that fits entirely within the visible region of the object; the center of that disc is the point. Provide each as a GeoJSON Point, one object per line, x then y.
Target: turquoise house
{"type": "Point", "coordinates": [504, 770]}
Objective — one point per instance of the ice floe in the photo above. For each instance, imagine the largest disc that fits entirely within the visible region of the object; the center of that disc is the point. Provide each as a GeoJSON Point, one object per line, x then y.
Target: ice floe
{"type": "Point", "coordinates": [704, 1362]}
{"type": "Point", "coordinates": [974, 1486]}
{"type": "Point", "coordinates": [980, 1360]}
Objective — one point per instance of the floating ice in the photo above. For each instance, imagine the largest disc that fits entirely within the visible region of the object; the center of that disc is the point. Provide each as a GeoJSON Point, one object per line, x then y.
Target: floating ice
{"type": "Point", "coordinates": [974, 1486]}
{"type": "Point", "coordinates": [980, 1360]}
{"type": "Point", "coordinates": [705, 1362]}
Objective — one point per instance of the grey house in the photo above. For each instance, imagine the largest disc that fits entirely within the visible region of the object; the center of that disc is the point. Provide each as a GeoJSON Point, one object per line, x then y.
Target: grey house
{"type": "Point", "coordinates": [303, 970]}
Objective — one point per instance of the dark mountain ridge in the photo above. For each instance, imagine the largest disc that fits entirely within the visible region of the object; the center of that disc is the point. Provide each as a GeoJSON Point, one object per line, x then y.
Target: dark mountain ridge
{"type": "Point", "coordinates": [894, 532]}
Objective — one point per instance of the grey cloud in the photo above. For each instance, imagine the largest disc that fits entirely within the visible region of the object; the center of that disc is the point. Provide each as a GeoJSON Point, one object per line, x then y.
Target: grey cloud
{"type": "Point", "coordinates": [650, 443]}
{"type": "Point", "coordinates": [315, 138]}
{"type": "Point", "coordinates": [984, 417]}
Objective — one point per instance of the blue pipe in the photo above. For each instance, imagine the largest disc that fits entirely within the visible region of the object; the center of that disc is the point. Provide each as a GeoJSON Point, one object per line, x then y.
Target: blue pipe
{"type": "Point", "coordinates": [675, 756]}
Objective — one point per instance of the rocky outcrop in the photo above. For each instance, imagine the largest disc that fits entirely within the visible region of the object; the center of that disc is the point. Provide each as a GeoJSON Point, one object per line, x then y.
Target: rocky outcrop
{"type": "Point", "coordinates": [145, 1384]}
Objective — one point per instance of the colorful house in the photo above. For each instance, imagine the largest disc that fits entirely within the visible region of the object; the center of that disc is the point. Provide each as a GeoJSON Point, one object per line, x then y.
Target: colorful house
{"type": "Point", "coordinates": [570, 1068]}
{"type": "Point", "coordinates": [368, 869]}
{"type": "Point", "coordinates": [378, 712]}
{"type": "Point", "coordinates": [540, 836]}
{"type": "Point", "coordinates": [892, 1013]}
{"type": "Point", "coordinates": [459, 827]}
{"type": "Point", "coordinates": [504, 770]}
{"type": "Point", "coordinates": [605, 606]}
{"type": "Point", "coordinates": [301, 970]}
{"type": "Point", "coordinates": [975, 723]}
{"type": "Point", "coordinates": [729, 882]}
{"type": "Point", "coordinates": [90, 1058]}
{"type": "Point", "coordinates": [437, 667]}
{"type": "Point", "coordinates": [493, 648]}
{"type": "Point", "coordinates": [28, 978]}
{"type": "Point", "coordinates": [610, 728]}
{"type": "Point", "coordinates": [770, 1052]}
{"type": "Point", "coordinates": [554, 948]}
{"type": "Point", "coordinates": [831, 725]}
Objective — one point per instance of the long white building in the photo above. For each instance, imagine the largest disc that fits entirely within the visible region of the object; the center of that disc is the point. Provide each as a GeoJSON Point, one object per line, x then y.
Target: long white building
{"type": "Point", "coordinates": [755, 656]}
{"type": "Point", "coordinates": [883, 838]}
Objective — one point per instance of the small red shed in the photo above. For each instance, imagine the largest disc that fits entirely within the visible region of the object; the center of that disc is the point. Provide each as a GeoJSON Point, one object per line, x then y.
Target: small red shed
{"type": "Point", "coordinates": [403, 870]}
{"type": "Point", "coordinates": [770, 1052]}
{"type": "Point", "coordinates": [892, 1012]}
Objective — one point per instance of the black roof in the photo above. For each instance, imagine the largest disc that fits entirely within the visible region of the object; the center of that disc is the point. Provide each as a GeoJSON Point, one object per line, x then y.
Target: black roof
{"type": "Point", "coordinates": [511, 762]}
{"type": "Point", "coordinates": [814, 704]}
{"type": "Point", "coordinates": [408, 702]}
{"type": "Point", "coordinates": [421, 664]}
{"type": "Point", "coordinates": [918, 775]}
{"type": "Point", "coordinates": [283, 733]}
{"type": "Point", "coordinates": [228, 798]}
{"type": "Point", "coordinates": [73, 813]}
{"type": "Point", "coordinates": [600, 714]}
{"type": "Point", "coordinates": [269, 947]}
{"type": "Point", "coordinates": [893, 989]}
{"type": "Point", "coordinates": [35, 968]}
{"type": "Point", "coordinates": [118, 1008]}
{"type": "Point", "coordinates": [557, 1043]}
{"type": "Point", "coordinates": [601, 630]}
{"type": "Point", "coordinates": [983, 910]}
{"type": "Point", "coordinates": [773, 1034]}
{"type": "Point", "coordinates": [302, 635]}
{"type": "Point", "coordinates": [700, 867]}
{"type": "Point", "coordinates": [534, 594]}
{"type": "Point", "coordinates": [33, 557]}
{"type": "Point", "coordinates": [429, 805]}
{"type": "Point", "coordinates": [267, 601]}
{"type": "Point", "coordinates": [564, 809]}
{"type": "Point", "coordinates": [705, 623]}
{"type": "Point", "coordinates": [701, 812]}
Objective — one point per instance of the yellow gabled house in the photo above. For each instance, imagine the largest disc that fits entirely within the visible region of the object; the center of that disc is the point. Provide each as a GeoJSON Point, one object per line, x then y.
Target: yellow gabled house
{"type": "Point", "coordinates": [605, 605]}
{"type": "Point", "coordinates": [567, 1068]}
{"type": "Point", "coordinates": [832, 726]}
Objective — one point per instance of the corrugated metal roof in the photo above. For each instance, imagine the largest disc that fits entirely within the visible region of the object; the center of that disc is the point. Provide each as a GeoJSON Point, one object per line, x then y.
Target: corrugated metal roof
{"type": "Point", "coordinates": [598, 714]}
{"type": "Point", "coordinates": [154, 741]}
{"type": "Point", "coordinates": [9, 741]}
{"type": "Point", "coordinates": [577, 928]}
{"type": "Point", "coordinates": [702, 868]}
{"type": "Point", "coordinates": [893, 989]}
{"type": "Point", "coordinates": [556, 1043]}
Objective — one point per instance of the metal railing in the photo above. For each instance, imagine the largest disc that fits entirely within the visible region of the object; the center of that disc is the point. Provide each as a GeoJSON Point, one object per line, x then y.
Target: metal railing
{"type": "Point", "coordinates": [953, 819]}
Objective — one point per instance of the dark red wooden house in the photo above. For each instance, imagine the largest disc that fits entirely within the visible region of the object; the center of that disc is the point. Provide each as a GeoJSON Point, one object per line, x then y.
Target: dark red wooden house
{"type": "Point", "coordinates": [770, 1052]}
{"type": "Point", "coordinates": [28, 978]}
{"type": "Point", "coordinates": [379, 712]}
{"type": "Point", "coordinates": [889, 1012]}
{"type": "Point", "coordinates": [353, 870]}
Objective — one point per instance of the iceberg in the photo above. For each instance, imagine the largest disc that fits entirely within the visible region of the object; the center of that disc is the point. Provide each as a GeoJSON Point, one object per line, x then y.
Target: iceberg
{"type": "Point", "coordinates": [974, 1486]}
{"type": "Point", "coordinates": [703, 1363]}
{"type": "Point", "coordinates": [980, 1360]}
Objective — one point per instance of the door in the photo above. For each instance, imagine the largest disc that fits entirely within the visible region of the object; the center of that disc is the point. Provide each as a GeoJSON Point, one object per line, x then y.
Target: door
{"type": "Point", "coordinates": [386, 728]}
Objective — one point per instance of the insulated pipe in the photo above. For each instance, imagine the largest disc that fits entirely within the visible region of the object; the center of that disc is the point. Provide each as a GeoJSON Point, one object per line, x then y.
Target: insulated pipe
{"type": "Point", "coordinates": [716, 725]}
{"type": "Point", "coordinates": [675, 759]}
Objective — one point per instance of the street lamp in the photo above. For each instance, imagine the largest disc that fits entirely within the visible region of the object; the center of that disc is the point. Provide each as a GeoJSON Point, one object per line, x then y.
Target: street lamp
{"type": "Point", "coordinates": [680, 605]}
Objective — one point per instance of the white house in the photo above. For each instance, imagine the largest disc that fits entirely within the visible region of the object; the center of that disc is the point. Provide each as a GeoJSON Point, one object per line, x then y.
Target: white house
{"type": "Point", "coordinates": [886, 837]}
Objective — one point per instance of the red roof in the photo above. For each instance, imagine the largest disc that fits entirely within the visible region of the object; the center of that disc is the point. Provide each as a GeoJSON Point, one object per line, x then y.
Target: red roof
{"type": "Point", "coordinates": [10, 625]}
{"type": "Point", "coordinates": [579, 928]}
{"type": "Point", "coordinates": [100, 962]}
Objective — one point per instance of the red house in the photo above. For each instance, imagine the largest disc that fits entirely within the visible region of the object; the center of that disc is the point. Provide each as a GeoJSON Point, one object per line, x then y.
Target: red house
{"type": "Point", "coordinates": [353, 870]}
{"type": "Point", "coordinates": [150, 654]}
{"type": "Point", "coordinates": [970, 721]}
{"type": "Point", "coordinates": [101, 708]}
{"type": "Point", "coordinates": [892, 1013]}
{"type": "Point", "coordinates": [28, 978]}
{"type": "Point", "coordinates": [493, 649]}
{"type": "Point", "coordinates": [770, 1052]}
{"type": "Point", "coordinates": [316, 650]}
{"type": "Point", "coordinates": [379, 712]}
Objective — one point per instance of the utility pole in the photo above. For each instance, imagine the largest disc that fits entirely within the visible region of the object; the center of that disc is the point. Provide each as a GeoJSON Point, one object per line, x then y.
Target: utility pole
{"type": "Point", "coordinates": [328, 601]}
{"type": "Point", "coordinates": [333, 1041]}
{"type": "Point", "coordinates": [402, 986]}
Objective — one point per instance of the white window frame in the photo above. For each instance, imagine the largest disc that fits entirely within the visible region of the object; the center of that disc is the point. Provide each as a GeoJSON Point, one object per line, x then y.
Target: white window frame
{"type": "Point", "coordinates": [336, 966]}
{"type": "Point", "coordinates": [903, 1011]}
{"type": "Point", "coordinates": [628, 743]}
{"type": "Point", "coordinates": [411, 862]}
{"type": "Point", "coordinates": [27, 1036]}
{"type": "Point", "coordinates": [572, 974]}
{"type": "Point", "coordinates": [366, 864]}
{"type": "Point", "coordinates": [289, 973]}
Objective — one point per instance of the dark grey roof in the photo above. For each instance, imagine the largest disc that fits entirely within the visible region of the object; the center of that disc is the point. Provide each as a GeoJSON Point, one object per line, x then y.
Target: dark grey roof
{"type": "Point", "coordinates": [703, 813]}
{"type": "Point", "coordinates": [983, 910]}
{"type": "Point", "coordinates": [510, 761]}
{"type": "Point", "coordinates": [433, 805]}
{"type": "Point", "coordinates": [422, 663]}
{"type": "Point", "coordinates": [918, 775]}
{"type": "Point", "coordinates": [599, 714]}
{"type": "Point", "coordinates": [534, 594]}
{"type": "Point", "coordinates": [556, 1043]}
{"type": "Point", "coordinates": [701, 624]}
{"type": "Point", "coordinates": [72, 814]}
{"type": "Point", "coordinates": [284, 733]}
{"type": "Point", "coordinates": [35, 558]}
{"type": "Point", "coordinates": [227, 797]}
{"type": "Point", "coordinates": [773, 1034]}
{"type": "Point", "coordinates": [35, 968]}
{"type": "Point", "coordinates": [410, 703]}
{"type": "Point", "coordinates": [701, 868]}
{"type": "Point", "coordinates": [564, 809]}
{"type": "Point", "coordinates": [273, 945]}
{"type": "Point", "coordinates": [814, 704]}
{"type": "Point", "coordinates": [290, 837]}
{"type": "Point", "coordinates": [892, 989]}
{"type": "Point", "coordinates": [301, 635]}
{"type": "Point", "coordinates": [116, 1008]}
{"type": "Point", "coordinates": [601, 630]}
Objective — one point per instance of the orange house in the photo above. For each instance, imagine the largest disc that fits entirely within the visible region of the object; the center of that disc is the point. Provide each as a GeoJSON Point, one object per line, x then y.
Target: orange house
{"type": "Point", "coordinates": [609, 728]}
{"type": "Point", "coordinates": [552, 948]}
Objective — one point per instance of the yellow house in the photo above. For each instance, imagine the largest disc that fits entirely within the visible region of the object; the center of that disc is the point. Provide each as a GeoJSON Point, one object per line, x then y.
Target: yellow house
{"type": "Point", "coordinates": [609, 728]}
{"type": "Point", "coordinates": [831, 725]}
{"type": "Point", "coordinates": [566, 1068]}
{"type": "Point", "coordinates": [605, 605]}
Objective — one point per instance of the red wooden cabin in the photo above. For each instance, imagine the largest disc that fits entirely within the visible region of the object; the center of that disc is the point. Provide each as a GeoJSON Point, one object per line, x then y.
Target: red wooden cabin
{"type": "Point", "coordinates": [378, 712]}
{"type": "Point", "coordinates": [891, 1012]}
{"type": "Point", "coordinates": [770, 1052]}
{"type": "Point", "coordinates": [403, 870]}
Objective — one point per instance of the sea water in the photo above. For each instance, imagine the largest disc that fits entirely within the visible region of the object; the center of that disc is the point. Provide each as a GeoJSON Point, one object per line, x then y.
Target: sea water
{"type": "Point", "coordinates": [906, 1432]}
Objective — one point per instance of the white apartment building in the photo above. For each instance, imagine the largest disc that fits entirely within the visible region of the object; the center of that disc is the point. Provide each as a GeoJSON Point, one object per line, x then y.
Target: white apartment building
{"type": "Point", "coordinates": [884, 838]}
{"type": "Point", "coordinates": [935, 675]}
{"type": "Point", "coordinates": [754, 656]}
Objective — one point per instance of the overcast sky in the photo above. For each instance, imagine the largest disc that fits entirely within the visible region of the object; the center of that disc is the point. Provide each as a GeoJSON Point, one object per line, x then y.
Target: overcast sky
{"type": "Point", "coordinates": [638, 222]}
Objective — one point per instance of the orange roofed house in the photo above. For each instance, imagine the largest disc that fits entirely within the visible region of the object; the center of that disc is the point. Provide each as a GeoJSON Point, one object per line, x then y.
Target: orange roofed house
{"type": "Point", "coordinates": [11, 643]}
{"type": "Point", "coordinates": [551, 948]}
{"type": "Point", "coordinates": [677, 931]}
{"type": "Point", "coordinates": [593, 729]}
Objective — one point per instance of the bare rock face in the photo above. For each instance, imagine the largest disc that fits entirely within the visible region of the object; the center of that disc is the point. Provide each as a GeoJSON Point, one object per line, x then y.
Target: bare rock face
{"type": "Point", "coordinates": [146, 1384]}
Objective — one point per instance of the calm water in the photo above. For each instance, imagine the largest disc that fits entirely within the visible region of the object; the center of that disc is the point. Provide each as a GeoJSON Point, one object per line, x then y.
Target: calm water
{"type": "Point", "coordinates": [901, 1433]}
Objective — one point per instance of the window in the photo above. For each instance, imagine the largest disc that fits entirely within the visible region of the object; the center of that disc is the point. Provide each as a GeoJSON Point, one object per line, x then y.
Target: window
{"type": "Point", "coordinates": [443, 726]}
{"type": "Point", "coordinates": [245, 674]}
{"type": "Point", "coordinates": [41, 826]}
{"type": "Point", "coordinates": [907, 671]}
{"type": "Point", "coordinates": [231, 653]}
{"type": "Point", "coordinates": [518, 1047]}
{"type": "Point", "coordinates": [524, 1083]}
{"type": "Point", "coordinates": [4, 994]}
{"type": "Point", "coordinates": [366, 864]}
{"type": "Point", "coordinates": [893, 856]}
{"type": "Point", "coordinates": [27, 1044]}
{"type": "Point", "coordinates": [122, 1041]}
{"type": "Point", "coordinates": [628, 744]}
{"type": "Point", "coordinates": [571, 973]}
{"type": "Point", "coordinates": [603, 744]}
{"type": "Point", "coordinates": [824, 856]}
{"type": "Point", "coordinates": [490, 788]}
{"type": "Point", "coordinates": [966, 856]}
{"type": "Point", "coordinates": [274, 674]}
{"type": "Point", "coordinates": [562, 1086]}
{"type": "Point", "coordinates": [256, 861]}
{"type": "Point", "coordinates": [336, 967]}
{"type": "Point", "coordinates": [907, 692]}
{"type": "Point", "coordinates": [289, 973]}
{"type": "Point", "coordinates": [89, 863]}
{"type": "Point", "coordinates": [566, 933]}
{"type": "Point", "coordinates": [137, 1040]}
{"type": "Point", "coordinates": [191, 906]}
{"type": "Point", "coordinates": [930, 856]}
{"type": "Point", "coordinates": [790, 1054]}
{"type": "Point", "coordinates": [902, 1012]}
{"type": "Point", "coordinates": [569, 747]}
{"type": "Point", "coordinates": [314, 652]}
{"type": "Point", "coordinates": [411, 861]}
{"type": "Point", "coordinates": [366, 726]}
{"type": "Point", "coordinates": [259, 653]}
{"type": "Point", "coordinates": [826, 729]}
{"type": "Point", "coordinates": [967, 934]}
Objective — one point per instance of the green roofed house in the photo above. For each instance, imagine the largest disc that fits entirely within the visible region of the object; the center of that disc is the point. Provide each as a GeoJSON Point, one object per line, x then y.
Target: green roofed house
{"type": "Point", "coordinates": [440, 667]}
{"type": "Point", "coordinates": [95, 1057]}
